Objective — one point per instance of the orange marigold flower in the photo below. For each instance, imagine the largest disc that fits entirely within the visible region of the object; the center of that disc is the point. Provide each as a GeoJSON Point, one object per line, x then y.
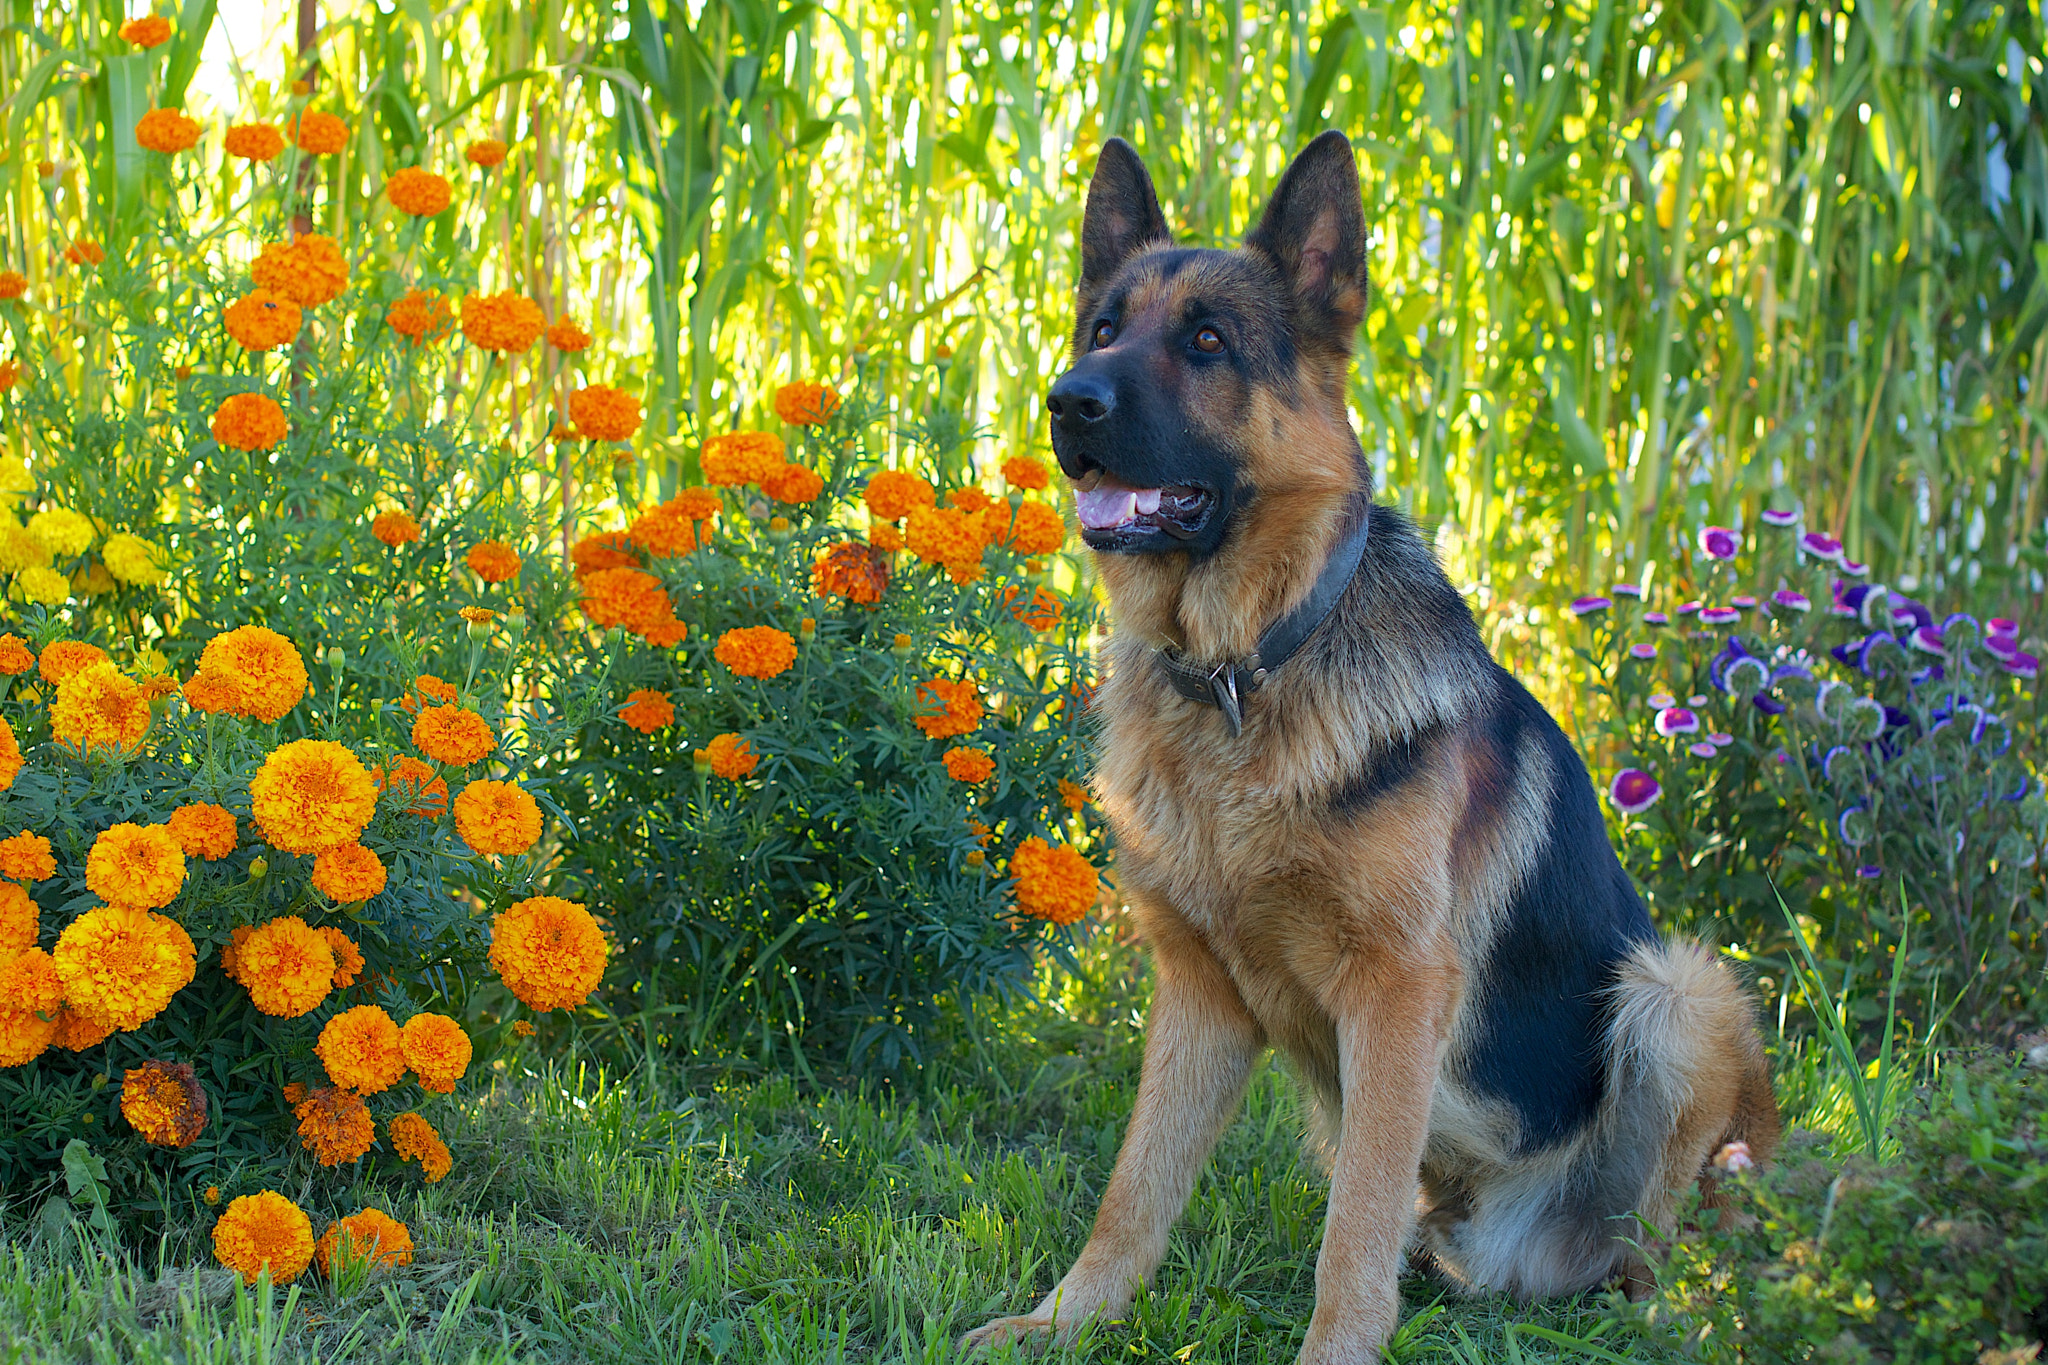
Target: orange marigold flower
{"type": "Point", "coordinates": [497, 817]}
{"type": "Point", "coordinates": [422, 316]}
{"type": "Point", "coordinates": [76, 1032]}
{"type": "Point", "coordinates": [645, 710]}
{"type": "Point", "coordinates": [853, 571]}
{"type": "Point", "coordinates": [231, 953]}
{"type": "Point", "coordinates": [348, 959]}
{"type": "Point", "coordinates": [394, 528]}
{"type": "Point", "coordinates": [62, 658]}
{"type": "Point", "coordinates": [892, 495]}
{"type": "Point", "coordinates": [477, 616]}
{"type": "Point", "coordinates": [437, 1050]}
{"type": "Point", "coordinates": [204, 830]}
{"type": "Point", "coordinates": [630, 598]}
{"type": "Point", "coordinates": [349, 874]}
{"type": "Point", "coordinates": [293, 1093]}
{"type": "Point", "coordinates": [885, 537]}
{"type": "Point", "coordinates": [1042, 612]}
{"type": "Point", "coordinates": [453, 735]}
{"type": "Point", "coordinates": [523, 1029]}
{"type": "Point", "coordinates": [428, 690]}
{"type": "Point", "coordinates": [287, 967]}
{"type": "Point", "coordinates": [360, 1049]}
{"type": "Point", "coordinates": [1056, 884]}
{"type": "Point", "coordinates": [10, 756]}
{"type": "Point", "coordinates": [318, 134]}
{"type": "Point", "coordinates": [31, 991]}
{"type": "Point", "coordinates": [262, 321]}
{"type": "Point", "coordinates": [85, 251]}
{"type": "Point", "coordinates": [1021, 471]}
{"type": "Point", "coordinates": [485, 151]}
{"type": "Point", "coordinates": [166, 131]}
{"type": "Point", "coordinates": [502, 322]}
{"type": "Point", "coordinates": [151, 30]}
{"type": "Point", "coordinates": [335, 1124]}
{"type": "Point", "coordinates": [249, 421]}
{"type": "Point", "coordinates": [742, 457]}
{"type": "Point", "coordinates": [99, 709]}
{"type": "Point", "coordinates": [264, 1231]}
{"type": "Point", "coordinates": [729, 756]}
{"type": "Point", "coordinates": [948, 708]}
{"type": "Point", "coordinates": [13, 284]}
{"type": "Point", "coordinates": [248, 671]}
{"type": "Point", "coordinates": [418, 192]}
{"type": "Point", "coordinates": [414, 1139]}
{"type": "Point", "coordinates": [1033, 529]}
{"type": "Point", "coordinates": [308, 270]}
{"type": "Point", "coordinates": [605, 550]}
{"type": "Point", "coordinates": [415, 785]}
{"type": "Point", "coordinates": [947, 536]}
{"type": "Point", "coordinates": [969, 765]}
{"type": "Point", "coordinates": [756, 651]}
{"type": "Point", "coordinates": [312, 795]}
{"type": "Point", "coordinates": [10, 370]}
{"type": "Point", "coordinates": [254, 141]}
{"type": "Point", "coordinates": [164, 1103]}
{"type": "Point", "coordinates": [20, 918]}
{"type": "Point", "coordinates": [696, 504]}
{"type": "Point", "coordinates": [970, 499]}
{"type": "Point", "coordinates": [121, 964]}
{"type": "Point", "coordinates": [137, 865]}
{"type": "Point", "coordinates": [493, 560]}
{"type": "Point", "coordinates": [1072, 795]}
{"type": "Point", "coordinates": [804, 404]}
{"type": "Point", "coordinates": [27, 858]}
{"type": "Point", "coordinates": [565, 335]}
{"type": "Point", "coordinates": [604, 413]}
{"type": "Point", "coordinates": [549, 951]}
{"type": "Point", "coordinates": [371, 1236]}
{"type": "Point", "coordinates": [793, 484]}
{"type": "Point", "coordinates": [665, 530]}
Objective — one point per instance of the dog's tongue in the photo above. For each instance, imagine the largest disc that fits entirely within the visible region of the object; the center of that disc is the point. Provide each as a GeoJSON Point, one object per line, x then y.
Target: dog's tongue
{"type": "Point", "coordinates": [1111, 504]}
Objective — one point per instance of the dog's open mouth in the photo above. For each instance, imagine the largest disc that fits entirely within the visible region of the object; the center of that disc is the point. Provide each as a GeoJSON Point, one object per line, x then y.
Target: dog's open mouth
{"type": "Point", "coordinates": [1113, 513]}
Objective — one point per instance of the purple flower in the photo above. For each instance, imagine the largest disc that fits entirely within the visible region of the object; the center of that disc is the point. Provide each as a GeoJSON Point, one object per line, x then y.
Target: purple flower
{"type": "Point", "coordinates": [1720, 740]}
{"type": "Point", "coordinates": [1840, 753]}
{"type": "Point", "coordinates": [1587, 606]}
{"type": "Point", "coordinates": [1702, 749]}
{"type": "Point", "coordinates": [1927, 640]}
{"type": "Point", "coordinates": [1688, 608]}
{"type": "Point", "coordinates": [1659, 700]}
{"type": "Point", "coordinates": [2001, 625]}
{"type": "Point", "coordinates": [1696, 700]}
{"type": "Point", "coordinates": [1743, 602]}
{"type": "Point", "coordinates": [1719, 616]}
{"type": "Point", "coordinates": [1854, 825]}
{"type": "Point", "coordinates": [1792, 601]}
{"type": "Point", "coordinates": [1931, 673]}
{"type": "Point", "coordinates": [1676, 720]}
{"type": "Point", "coordinates": [2001, 647]}
{"type": "Point", "coordinates": [1870, 654]}
{"type": "Point", "coordinates": [1854, 569]}
{"type": "Point", "coordinates": [2021, 664]}
{"type": "Point", "coordinates": [1870, 872]}
{"type": "Point", "coordinates": [1642, 651]}
{"type": "Point", "coordinates": [1781, 757]}
{"type": "Point", "coordinates": [1821, 547]}
{"type": "Point", "coordinates": [1633, 791]}
{"type": "Point", "coordinates": [1768, 704]}
{"type": "Point", "coordinates": [1718, 542]}
{"type": "Point", "coordinates": [1905, 611]}
{"type": "Point", "coordinates": [1656, 618]}
{"type": "Point", "coordinates": [1773, 516]}
{"type": "Point", "coordinates": [1626, 590]}
{"type": "Point", "coordinates": [1865, 602]}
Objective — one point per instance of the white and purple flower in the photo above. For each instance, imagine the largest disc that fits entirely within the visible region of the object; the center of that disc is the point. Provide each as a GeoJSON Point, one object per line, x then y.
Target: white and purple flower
{"type": "Point", "coordinates": [1854, 569]}
{"type": "Point", "coordinates": [1821, 546]}
{"type": "Point", "coordinates": [1927, 639]}
{"type": "Point", "coordinates": [1779, 517]}
{"type": "Point", "coordinates": [1791, 601]}
{"type": "Point", "coordinates": [1677, 720]}
{"type": "Point", "coordinates": [1643, 651]}
{"type": "Point", "coordinates": [1659, 700]}
{"type": "Point", "coordinates": [1743, 602]}
{"type": "Point", "coordinates": [1626, 590]}
{"type": "Point", "coordinates": [1854, 826]}
{"type": "Point", "coordinates": [1656, 618]}
{"type": "Point", "coordinates": [1590, 606]}
{"type": "Point", "coordinates": [1633, 791]}
{"type": "Point", "coordinates": [1719, 616]}
{"type": "Point", "coordinates": [1718, 542]}
{"type": "Point", "coordinates": [1720, 739]}
{"type": "Point", "coordinates": [2021, 664]}
{"type": "Point", "coordinates": [1688, 608]}
{"type": "Point", "coordinates": [1701, 749]}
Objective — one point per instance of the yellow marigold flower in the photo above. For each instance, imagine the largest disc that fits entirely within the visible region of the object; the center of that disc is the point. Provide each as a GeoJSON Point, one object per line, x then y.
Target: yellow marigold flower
{"type": "Point", "coordinates": [348, 959]}
{"type": "Point", "coordinates": [1021, 471]}
{"type": "Point", "coordinates": [565, 335]}
{"type": "Point", "coordinates": [1056, 884]}
{"type": "Point", "coordinates": [139, 865]}
{"type": "Point", "coordinates": [502, 322]}
{"type": "Point", "coordinates": [486, 152]}
{"type": "Point", "coordinates": [437, 1050]}
{"type": "Point", "coordinates": [418, 192]}
{"type": "Point", "coordinates": [151, 30]}
{"type": "Point", "coordinates": [21, 921]}
{"type": "Point", "coordinates": [133, 560]}
{"type": "Point", "coordinates": [248, 671]}
{"type": "Point", "coordinates": [729, 756]}
{"type": "Point", "coordinates": [414, 1139]}
{"type": "Point", "coordinates": [853, 571]}
{"type": "Point", "coordinates": [416, 786]}
{"type": "Point", "coordinates": [756, 651]}
{"type": "Point", "coordinates": [42, 585]}
{"type": "Point", "coordinates": [19, 550]}
{"type": "Point", "coordinates": [30, 989]}
{"type": "Point", "coordinates": [645, 710]}
{"type": "Point", "coordinates": [99, 708]}
{"type": "Point", "coordinates": [308, 270]}
{"type": "Point", "coordinates": [10, 756]}
{"type": "Point", "coordinates": [477, 616]}
{"type": "Point", "coordinates": [969, 765]}
{"type": "Point", "coordinates": [1072, 795]}
{"type": "Point", "coordinates": [312, 795]}
{"type": "Point", "coordinates": [549, 951]}
{"type": "Point", "coordinates": [804, 404]}
{"type": "Point", "coordinates": [121, 965]}
{"type": "Point", "coordinates": [212, 1195]}
{"type": "Point", "coordinates": [741, 457]}
{"type": "Point", "coordinates": [947, 708]}
{"type": "Point", "coordinates": [204, 830]}
{"type": "Point", "coordinates": [349, 874]}
{"type": "Point", "coordinates": [63, 532]}
{"type": "Point", "coordinates": [453, 735]}
{"type": "Point", "coordinates": [85, 251]}
{"type": "Point", "coordinates": [287, 967]}
{"type": "Point", "coordinates": [249, 421]}
{"type": "Point", "coordinates": [360, 1049]}
{"type": "Point", "coordinates": [166, 131]}
{"type": "Point", "coordinates": [27, 858]}
{"type": "Point", "coordinates": [62, 658]}
{"type": "Point", "coordinates": [262, 321]}
{"type": "Point", "coordinates": [394, 528]}
{"type": "Point", "coordinates": [793, 484]}
{"type": "Point", "coordinates": [318, 134]}
{"type": "Point", "coordinates": [892, 495]}
{"type": "Point", "coordinates": [370, 1236]}
{"type": "Point", "coordinates": [76, 1032]}
{"type": "Point", "coordinates": [164, 1103]}
{"type": "Point", "coordinates": [294, 1093]}
{"type": "Point", "coordinates": [604, 413]}
{"type": "Point", "coordinates": [493, 560]}
{"type": "Point", "coordinates": [1033, 529]}
{"type": "Point", "coordinates": [264, 1231]}
{"type": "Point", "coordinates": [949, 537]}
{"type": "Point", "coordinates": [497, 817]}
{"type": "Point", "coordinates": [254, 141]}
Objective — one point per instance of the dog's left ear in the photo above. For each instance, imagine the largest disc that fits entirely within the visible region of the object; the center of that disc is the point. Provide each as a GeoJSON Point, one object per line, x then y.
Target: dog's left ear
{"type": "Point", "coordinates": [1314, 229]}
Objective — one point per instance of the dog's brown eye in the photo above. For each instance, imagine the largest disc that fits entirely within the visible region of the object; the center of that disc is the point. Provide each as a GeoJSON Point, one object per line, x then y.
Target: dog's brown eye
{"type": "Point", "coordinates": [1105, 332]}
{"type": "Point", "coordinates": [1208, 342]}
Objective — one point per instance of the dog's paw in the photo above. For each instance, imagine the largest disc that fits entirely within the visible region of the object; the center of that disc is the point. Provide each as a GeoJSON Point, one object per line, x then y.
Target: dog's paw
{"type": "Point", "coordinates": [1008, 1332]}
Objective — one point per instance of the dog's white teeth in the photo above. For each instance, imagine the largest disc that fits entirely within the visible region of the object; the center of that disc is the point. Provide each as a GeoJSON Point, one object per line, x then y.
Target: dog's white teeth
{"type": "Point", "coordinates": [1102, 509]}
{"type": "Point", "coordinates": [1148, 501]}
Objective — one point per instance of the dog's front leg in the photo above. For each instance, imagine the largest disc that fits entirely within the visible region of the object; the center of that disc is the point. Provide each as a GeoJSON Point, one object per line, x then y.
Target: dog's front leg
{"type": "Point", "coordinates": [1200, 1043]}
{"type": "Point", "coordinates": [1390, 1015]}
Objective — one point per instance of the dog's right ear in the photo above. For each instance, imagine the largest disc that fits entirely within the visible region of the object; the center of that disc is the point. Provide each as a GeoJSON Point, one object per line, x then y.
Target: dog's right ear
{"type": "Point", "coordinates": [1123, 215]}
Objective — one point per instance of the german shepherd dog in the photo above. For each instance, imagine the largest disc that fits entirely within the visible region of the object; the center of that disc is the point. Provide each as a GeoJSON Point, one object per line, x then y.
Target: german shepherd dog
{"type": "Point", "coordinates": [1344, 830]}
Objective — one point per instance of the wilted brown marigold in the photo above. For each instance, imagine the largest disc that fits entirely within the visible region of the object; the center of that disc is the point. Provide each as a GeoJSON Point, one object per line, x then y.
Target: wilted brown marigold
{"type": "Point", "coordinates": [853, 571]}
{"type": "Point", "coordinates": [564, 335]}
{"type": "Point", "coordinates": [422, 316]}
{"type": "Point", "coordinates": [804, 404]}
{"type": "Point", "coordinates": [166, 131]}
{"type": "Point", "coordinates": [261, 320]}
{"type": "Point", "coordinates": [27, 858]}
{"type": "Point", "coordinates": [349, 874]}
{"type": "Point", "coordinates": [645, 710]}
{"type": "Point", "coordinates": [418, 192]}
{"type": "Point", "coordinates": [151, 30]}
{"type": "Point", "coordinates": [335, 1125]}
{"type": "Point", "coordinates": [742, 457]}
{"type": "Point", "coordinates": [502, 322]}
{"type": "Point", "coordinates": [493, 560]}
{"type": "Point", "coordinates": [249, 421]}
{"type": "Point", "coordinates": [308, 270]}
{"type": "Point", "coordinates": [254, 141]}
{"type": "Point", "coordinates": [730, 757]}
{"type": "Point", "coordinates": [497, 817]}
{"type": "Point", "coordinates": [164, 1103]}
{"type": "Point", "coordinates": [371, 1236]}
{"type": "Point", "coordinates": [948, 708]}
{"type": "Point", "coordinates": [603, 413]}
{"type": "Point", "coordinates": [395, 528]}
{"type": "Point", "coordinates": [485, 151]}
{"type": "Point", "coordinates": [318, 134]}
{"type": "Point", "coordinates": [453, 735]}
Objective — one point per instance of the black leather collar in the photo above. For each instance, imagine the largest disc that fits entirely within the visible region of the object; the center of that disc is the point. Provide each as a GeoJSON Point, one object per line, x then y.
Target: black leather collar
{"type": "Point", "coordinates": [1224, 685]}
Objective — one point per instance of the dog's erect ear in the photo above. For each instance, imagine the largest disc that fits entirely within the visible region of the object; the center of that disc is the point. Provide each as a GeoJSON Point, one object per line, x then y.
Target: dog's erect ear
{"type": "Point", "coordinates": [1123, 215]}
{"type": "Point", "coordinates": [1314, 229]}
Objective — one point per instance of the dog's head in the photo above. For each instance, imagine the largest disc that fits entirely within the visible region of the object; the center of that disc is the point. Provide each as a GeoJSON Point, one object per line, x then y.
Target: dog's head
{"type": "Point", "coordinates": [1206, 381]}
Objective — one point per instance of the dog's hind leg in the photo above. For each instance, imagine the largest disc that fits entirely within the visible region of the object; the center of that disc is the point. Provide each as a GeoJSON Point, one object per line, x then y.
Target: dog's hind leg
{"type": "Point", "coordinates": [1200, 1043]}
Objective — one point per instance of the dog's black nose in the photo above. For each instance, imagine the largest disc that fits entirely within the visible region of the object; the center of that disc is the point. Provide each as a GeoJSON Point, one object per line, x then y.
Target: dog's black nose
{"type": "Point", "coordinates": [1079, 401]}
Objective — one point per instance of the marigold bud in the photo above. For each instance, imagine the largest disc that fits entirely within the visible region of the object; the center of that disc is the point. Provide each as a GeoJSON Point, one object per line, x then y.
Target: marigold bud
{"type": "Point", "coordinates": [701, 761]}
{"type": "Point", "coordinates": [259, 868]}
{"type": "Point", "coordinates": [807, 629]}
{"type": "Point", "coordinates": [778, 529]}
{"type": "Point", "coordinates": [183, 372]}
{"type": "Point", "coordinates": [975, 858]}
